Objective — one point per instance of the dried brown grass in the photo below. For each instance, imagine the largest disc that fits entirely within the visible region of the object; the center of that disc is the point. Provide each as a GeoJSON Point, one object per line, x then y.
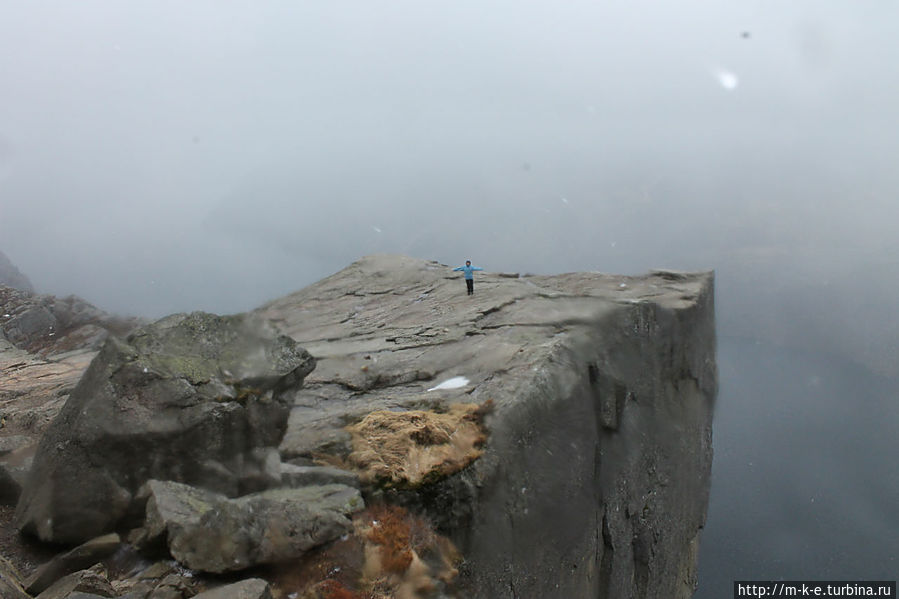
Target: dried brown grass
{"type": "Point", "coordinates": [408, 449]}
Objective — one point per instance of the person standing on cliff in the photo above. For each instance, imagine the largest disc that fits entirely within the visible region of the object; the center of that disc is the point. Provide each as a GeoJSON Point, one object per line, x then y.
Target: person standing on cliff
{"type": "Point", "coordinates": [468, 270]}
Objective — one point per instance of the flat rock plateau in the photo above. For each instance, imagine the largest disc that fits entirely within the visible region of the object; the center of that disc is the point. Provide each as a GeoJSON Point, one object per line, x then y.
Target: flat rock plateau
{"type": "Point", "coordinates": [549, 436]}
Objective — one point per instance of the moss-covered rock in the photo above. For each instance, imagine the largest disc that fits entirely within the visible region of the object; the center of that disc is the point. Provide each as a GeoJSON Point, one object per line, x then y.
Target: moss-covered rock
{"type": "Point", "coordinates": [191, 398]}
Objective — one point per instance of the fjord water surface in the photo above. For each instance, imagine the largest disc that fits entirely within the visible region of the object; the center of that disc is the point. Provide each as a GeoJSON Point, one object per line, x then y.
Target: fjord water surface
{"type": "Point", "coordinates": [805, 479]}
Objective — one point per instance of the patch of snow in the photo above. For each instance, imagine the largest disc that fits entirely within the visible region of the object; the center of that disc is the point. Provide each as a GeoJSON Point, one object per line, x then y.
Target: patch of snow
{"type": "Point", "coordinates": [453, 383]}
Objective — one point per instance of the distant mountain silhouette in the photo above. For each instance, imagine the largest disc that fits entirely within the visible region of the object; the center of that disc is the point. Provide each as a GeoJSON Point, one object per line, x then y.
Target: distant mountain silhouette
{"type": "Point", "coordinates": [12, 276]}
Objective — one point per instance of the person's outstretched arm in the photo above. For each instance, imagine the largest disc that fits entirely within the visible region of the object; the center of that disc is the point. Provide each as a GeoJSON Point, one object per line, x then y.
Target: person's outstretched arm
{"type": "Point", "coordinates": [476, 268]}
{"type": "Point", "coordinates": [458, 268]}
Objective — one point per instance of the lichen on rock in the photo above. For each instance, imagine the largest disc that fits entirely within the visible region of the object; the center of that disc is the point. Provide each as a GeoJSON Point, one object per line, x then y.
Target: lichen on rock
{"type": "Point", "coordinates": [193, 398]}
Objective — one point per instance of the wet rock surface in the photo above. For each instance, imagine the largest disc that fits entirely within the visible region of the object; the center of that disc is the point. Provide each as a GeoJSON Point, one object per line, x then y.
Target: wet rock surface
{"type": "Point", "coordinates": [594, 477]}
{"type": "Point", "coordinates": [192, 398]}
{"type": "Point", "coordinates": [47, 325]}
{"type": "Point", "coordinates": [211, 533]}
{"type": "Point", "coordinates": [81, 557]}
{"type": "Point", "coordinates": [549, 436]}
{"type": "Point", "coordinates": [46, 344]}
{"type": "Point", "coordinates": [11, 581]}
{"type": "Point", "coordinates": [252, 588]}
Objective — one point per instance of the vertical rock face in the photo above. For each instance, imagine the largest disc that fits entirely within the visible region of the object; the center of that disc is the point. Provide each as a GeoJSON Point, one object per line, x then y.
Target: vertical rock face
{"type": "Point", "coordinates": [594, 477]}
{"type": "Point", "coordinates": [598, 478]}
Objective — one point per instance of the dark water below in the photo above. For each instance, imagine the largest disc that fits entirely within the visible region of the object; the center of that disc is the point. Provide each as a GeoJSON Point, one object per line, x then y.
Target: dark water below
{"type": "Point", "coordinates": [805, 481]}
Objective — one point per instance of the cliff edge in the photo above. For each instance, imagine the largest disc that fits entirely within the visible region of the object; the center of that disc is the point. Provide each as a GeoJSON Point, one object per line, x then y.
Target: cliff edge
{"type": "Point", "coordinates": [379, 433]}
{"type": "Point", "coordinates": [593, 479]}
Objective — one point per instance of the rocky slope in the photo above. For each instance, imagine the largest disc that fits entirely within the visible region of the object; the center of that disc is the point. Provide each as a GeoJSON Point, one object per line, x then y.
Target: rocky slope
{"type": "Point", "coordinates": [10, 276]}
{"type": "Point", "coordinates": [46, 343]}
{"type": "Point", "coordinates": [547, 437]}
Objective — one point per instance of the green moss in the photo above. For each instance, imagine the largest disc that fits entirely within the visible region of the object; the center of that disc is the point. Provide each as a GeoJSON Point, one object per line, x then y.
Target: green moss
{"type": "Point", "coordinates": [196, 369]}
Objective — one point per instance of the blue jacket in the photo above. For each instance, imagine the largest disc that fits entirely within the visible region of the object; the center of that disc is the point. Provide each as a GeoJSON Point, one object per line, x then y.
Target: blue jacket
{"type": "Point", "coordinates": [468, 270]}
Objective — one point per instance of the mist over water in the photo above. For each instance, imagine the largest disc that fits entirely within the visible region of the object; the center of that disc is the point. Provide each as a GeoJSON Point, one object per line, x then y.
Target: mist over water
{"type": "Point", "coordinates": [804, 482]}
{"type": "Point", "coordinates": [160, 156]}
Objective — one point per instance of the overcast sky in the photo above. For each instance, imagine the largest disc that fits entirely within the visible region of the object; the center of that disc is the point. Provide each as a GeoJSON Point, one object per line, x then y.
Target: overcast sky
{"type": "Point", "coordinates": [165, 156]}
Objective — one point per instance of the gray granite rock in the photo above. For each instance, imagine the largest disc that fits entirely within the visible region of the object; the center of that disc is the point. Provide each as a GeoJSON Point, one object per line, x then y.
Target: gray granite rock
{"type": "Point", "coordinates": [193, 397]}
{"type": "Point", "coordinates": [11, 581]}
{"type": "Point", "coordinates": [594, 478]}
{"type": "Point", "coordinates": [81, 557]}
{"type": "Point", "coordinates": [294, 476]}
{"type": "Point", "coordinates": [92, 581]}
{"type": "Point", "coordinates": [211, 533]}
{"type": "Point", "coordinates": [252, 588]}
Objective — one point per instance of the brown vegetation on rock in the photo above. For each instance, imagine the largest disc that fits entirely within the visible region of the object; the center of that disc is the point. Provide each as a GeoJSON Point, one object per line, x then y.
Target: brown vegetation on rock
{"type": "Point", "coordinates": [391, 532]}
{"type": "Point", "coordinates": [392, 553]}
{"type": "Point", "coordinates": [408, 449]}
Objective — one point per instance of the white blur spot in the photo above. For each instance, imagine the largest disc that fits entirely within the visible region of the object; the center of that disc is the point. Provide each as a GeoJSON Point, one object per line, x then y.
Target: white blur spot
{"type": "Point", "coordinates": [623, 286]}
{"type": "Point", "coordinates": [613, 243]}
{"type": "Point", "coordinates": [377, 230]}
{"type": "Point", "coordinates": [146, 370]}
{"type": "Point", "coordinates": [453, 383]}
{"type": "Point", "coordinates": [726, 79]}
{"type": "Point", "coordinates": [564, 200]}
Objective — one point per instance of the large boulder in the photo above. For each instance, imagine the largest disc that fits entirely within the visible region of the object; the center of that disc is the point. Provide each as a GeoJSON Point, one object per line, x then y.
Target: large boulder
{"type": "Point", "coordinates": [195, 398]}
{"type": "Point", "coordinates": [209, 532]}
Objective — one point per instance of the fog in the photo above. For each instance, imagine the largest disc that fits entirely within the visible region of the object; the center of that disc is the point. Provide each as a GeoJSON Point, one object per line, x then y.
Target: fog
{"type": "Point", "coordinates": [168, 156]}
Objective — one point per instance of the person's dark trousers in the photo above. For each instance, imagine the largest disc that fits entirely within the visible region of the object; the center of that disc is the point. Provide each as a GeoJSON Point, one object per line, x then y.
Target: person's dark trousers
{"type": "Point", "coordinates": [470, 284]}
